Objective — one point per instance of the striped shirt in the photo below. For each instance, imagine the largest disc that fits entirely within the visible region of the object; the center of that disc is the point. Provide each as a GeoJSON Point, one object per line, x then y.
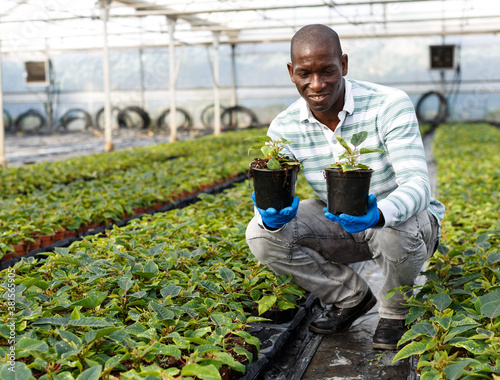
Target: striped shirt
{"type": "Point", "coordinates": [400, 180]}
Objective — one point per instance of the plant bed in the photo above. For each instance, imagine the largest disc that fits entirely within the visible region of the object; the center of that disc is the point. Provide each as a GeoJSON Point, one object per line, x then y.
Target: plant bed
{"type": "Point", "coordinates": [455, 315]}
{"type": "Point", "coordinates": [172, 284]}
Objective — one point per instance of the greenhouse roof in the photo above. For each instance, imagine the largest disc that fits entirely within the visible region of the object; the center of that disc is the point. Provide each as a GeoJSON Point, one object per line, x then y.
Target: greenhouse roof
{"type": "Point", "coordinates": [58, 25]}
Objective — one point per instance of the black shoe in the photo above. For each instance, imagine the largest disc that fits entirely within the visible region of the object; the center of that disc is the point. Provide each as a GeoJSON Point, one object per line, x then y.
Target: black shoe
{"type": "Point", "coordinates": [338, 320]}
{"type": "Point", "coordinates": [388, 333]}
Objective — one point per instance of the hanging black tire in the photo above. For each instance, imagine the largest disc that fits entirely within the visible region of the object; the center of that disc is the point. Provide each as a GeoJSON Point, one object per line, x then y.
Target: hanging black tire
{"type": "Point", "coordinates": [31, 121]}
{"type": "Point", "coordinates": [7, 122]}
{"type": "Point", "coordinates": [99, 118]}
{"type": "Point", "coordinates": [441, 113]}
{"type": "Point", "coordinates": [238, 117]}
{"type": "Point", "coordinates": [184, 124]}
{"type": "Point", "coordinates": [133, 117]}
{"type": "Point", "coordinates": [76, 119]}
{"type": "Point", "coordinates": [207, 116]}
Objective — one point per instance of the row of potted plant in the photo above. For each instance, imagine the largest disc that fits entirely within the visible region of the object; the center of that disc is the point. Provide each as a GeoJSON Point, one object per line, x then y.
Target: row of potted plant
{"type": "Point", "coordinates": [25, 179]}
{"type": "Point", "coordinates": [81, 204]}
{"type": "Point", "coordinates": [455, 315]}
{"type": "Point", "coordinates": [168, 296]}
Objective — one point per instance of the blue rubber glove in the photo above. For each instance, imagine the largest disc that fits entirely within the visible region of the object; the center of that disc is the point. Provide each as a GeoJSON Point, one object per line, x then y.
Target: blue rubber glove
{"type": "Point", "coordinates": [275, 219]}
{"type": "Point", "coordinates": [354, 224]}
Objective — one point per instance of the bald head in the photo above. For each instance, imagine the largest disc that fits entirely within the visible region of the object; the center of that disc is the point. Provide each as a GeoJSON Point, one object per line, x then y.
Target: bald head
{"type": "Point", "coordinates": [315, 35]}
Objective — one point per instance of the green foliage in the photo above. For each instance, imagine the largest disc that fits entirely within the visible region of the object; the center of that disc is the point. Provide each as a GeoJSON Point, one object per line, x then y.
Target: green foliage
{"type": "Point", "coordinates": [167, 296]}
{"type": "Point", "coordinates": [455, 315]}
{"type": "Point", "coordinates": [272, 151]}
{"type": "Point", "coordinates": [349, 159]}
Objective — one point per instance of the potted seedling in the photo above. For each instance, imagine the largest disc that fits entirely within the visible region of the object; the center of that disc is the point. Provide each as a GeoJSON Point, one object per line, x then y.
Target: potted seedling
{"type": "Point", "coordinates": [275, 175]}
{"type": "Point", "coordinates": [348, 180]}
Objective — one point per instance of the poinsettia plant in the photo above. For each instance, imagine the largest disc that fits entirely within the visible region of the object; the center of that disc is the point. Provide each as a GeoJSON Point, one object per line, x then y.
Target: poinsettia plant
{"type": "Point", "coordinates": [272, 151]}
{"type": "Point", "coordinates": [349, 160]}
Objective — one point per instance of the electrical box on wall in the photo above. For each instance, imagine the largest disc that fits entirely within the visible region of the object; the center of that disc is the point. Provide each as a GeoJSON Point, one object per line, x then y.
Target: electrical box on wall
{"type": "Point", "coordinates": [37, 73]}
{"type": "Point", "coordinates": [442, 56]}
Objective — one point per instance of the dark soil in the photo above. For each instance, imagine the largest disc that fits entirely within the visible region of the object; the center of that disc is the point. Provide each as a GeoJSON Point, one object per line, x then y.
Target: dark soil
{"type": "Point", "coordinates": [261, 163]}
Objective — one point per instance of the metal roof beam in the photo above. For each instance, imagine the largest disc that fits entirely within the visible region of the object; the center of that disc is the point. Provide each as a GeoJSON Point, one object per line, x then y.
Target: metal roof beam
{"type": "Point", "coordinates": [331, 4]}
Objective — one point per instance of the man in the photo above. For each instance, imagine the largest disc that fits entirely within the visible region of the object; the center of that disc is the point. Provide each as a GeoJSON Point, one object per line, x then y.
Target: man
{"type": "Point", "coordinates": [401, 228]}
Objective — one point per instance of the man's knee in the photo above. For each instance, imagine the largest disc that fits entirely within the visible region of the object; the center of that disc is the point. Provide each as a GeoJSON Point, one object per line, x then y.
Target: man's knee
{"type": "Point", "coordinates": [264, 245]}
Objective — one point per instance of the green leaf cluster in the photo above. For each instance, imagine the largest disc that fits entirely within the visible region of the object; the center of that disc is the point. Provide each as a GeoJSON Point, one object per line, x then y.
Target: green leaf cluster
{"type": "Point", "coordinates": [455, 315]}
{"type": "Point", "coordinates": [167, 296]}
{"type": "Point", "coordinates": [349, 160]}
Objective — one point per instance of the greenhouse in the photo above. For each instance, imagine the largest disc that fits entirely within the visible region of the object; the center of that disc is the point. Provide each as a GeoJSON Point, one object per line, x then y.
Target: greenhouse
{"type": "Point", "coordinates": [126, 193]}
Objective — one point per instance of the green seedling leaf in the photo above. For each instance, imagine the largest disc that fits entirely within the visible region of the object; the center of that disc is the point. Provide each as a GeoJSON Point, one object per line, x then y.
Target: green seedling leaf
{"type": "Point", "coordinates": [93, 373]}
{"type": "Point", "coordinates": [465, 279]}
{"type": "Point", "coordinates": [454, 371]}
{"type": "Point", "coordinates": [19, 372]}
{"type": "Point", "coordinates": [170, 291]}
{"type": "Point", "coordinates": [89, 322]}
{"type": "Point", "coordinates": [63, 251]}
{"type": "Point", "coordinates": [226, 274]}
{"type": "Point", "coordinates": [93, 299]}
{"type": "Point", "coordinates": [157, 249]}
{"type": "Point", "coordinates": [358, 138]}
{"type": "Point", "coordinates": [67, 260]}
{"type": "Point", "coordinates": [424, 328]}
{"type": "Point", "coordinates": [284, 279]}
{"type": "Point", "coordinates": [208, 372]}
{"type": "Point", "coordinates": [220, 319]}
{"type": "Point", "coordinates": [126, 282]}
{"type": "Point", "coordinates": [414, 348]}
{"type": "Point", "coordinates": [162, 349]}
{"type": "Point", "coordinates": [96, 334]}
{"type": "Point", "coordinates": [441, 301]}
{"type": "Point", "coordinates": [52, 321]}
{"type": "Point", "coordinates": [445, 322]}
{"type": "Point", "coordinates": [27, 344]}
{"type": "Point", "coordinates": [367, 150]}
{"type": "Point", "coordinates": [163, 312]}
{"type": "Point", "coordinates": [273, 164]}
{"type": "Point", "coordinates": [265, 303]}
{"type": "Point", "coordinates": [493, 258]}
{"type": "Point", "coordinates": [491, 309]}
{"type": "Point", "coordinates": [70, 337]}
{"type": "Point", "coordinates": [414, 314]}
{"type": "Point", "coordinates": [477, 347]}
{"type": "Point", "coordinates": [344, 144]}
{"type": "Point", "coordinates": [211, 286]}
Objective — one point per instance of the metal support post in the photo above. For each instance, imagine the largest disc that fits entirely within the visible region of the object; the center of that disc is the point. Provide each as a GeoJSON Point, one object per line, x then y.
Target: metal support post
{"type": "Point", "coordinates": [172, 78]}
{"type": "Point", "coordinates": [217, 123]}
{"type": "Point", "coordinates": [108, 143]}
{"type": "Point", "coordinates": [3, 159]}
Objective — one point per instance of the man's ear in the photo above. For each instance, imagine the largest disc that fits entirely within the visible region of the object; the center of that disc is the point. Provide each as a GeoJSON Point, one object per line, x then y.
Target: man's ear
{"type": "Point", "coordinates": [290, 71]}
{"type": "Point", "coordinates": [345, 65]}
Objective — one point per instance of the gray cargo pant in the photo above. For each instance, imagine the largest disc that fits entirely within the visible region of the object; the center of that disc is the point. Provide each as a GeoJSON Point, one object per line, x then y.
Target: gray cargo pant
{"type": "Point", "coordinates": [315, 251]}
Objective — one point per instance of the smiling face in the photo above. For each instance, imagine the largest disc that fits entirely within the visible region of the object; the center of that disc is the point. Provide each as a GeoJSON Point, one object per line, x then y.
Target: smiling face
{"type": "Point", "coordinates": [317, 70]}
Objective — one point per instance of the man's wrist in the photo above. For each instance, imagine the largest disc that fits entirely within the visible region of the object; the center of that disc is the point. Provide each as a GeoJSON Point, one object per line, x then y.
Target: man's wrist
{"type": "Point", "coordinates": [381, 220]}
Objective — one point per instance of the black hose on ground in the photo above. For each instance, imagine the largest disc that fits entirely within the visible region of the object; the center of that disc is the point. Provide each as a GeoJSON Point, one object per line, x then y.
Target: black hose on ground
{"type": "Point", "coordinates": [22, 125]}
{"type": "Point", "coordinates": [232, 117]}
{"type": "Point", "coordinates": [185, 125]}
{"type": "Point", "coordinates": [441, 113]}
{"type": "Point", "coordinates": [126, 118]}
{"type": "Point", "coordinates": [99, 117]}
{"type": "Point", "coordinates": [74, 115]}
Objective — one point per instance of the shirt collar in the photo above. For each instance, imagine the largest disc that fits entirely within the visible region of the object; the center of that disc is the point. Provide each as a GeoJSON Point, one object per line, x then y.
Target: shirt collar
{"type": "Point", "coordinates": [306, 116]}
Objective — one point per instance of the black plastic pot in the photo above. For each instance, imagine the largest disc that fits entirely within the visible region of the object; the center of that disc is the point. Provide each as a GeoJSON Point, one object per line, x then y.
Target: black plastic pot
{"type": "Point", "coordinates": [274, 188]}
{"type": "Point", "coordinates": [347, 191]}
